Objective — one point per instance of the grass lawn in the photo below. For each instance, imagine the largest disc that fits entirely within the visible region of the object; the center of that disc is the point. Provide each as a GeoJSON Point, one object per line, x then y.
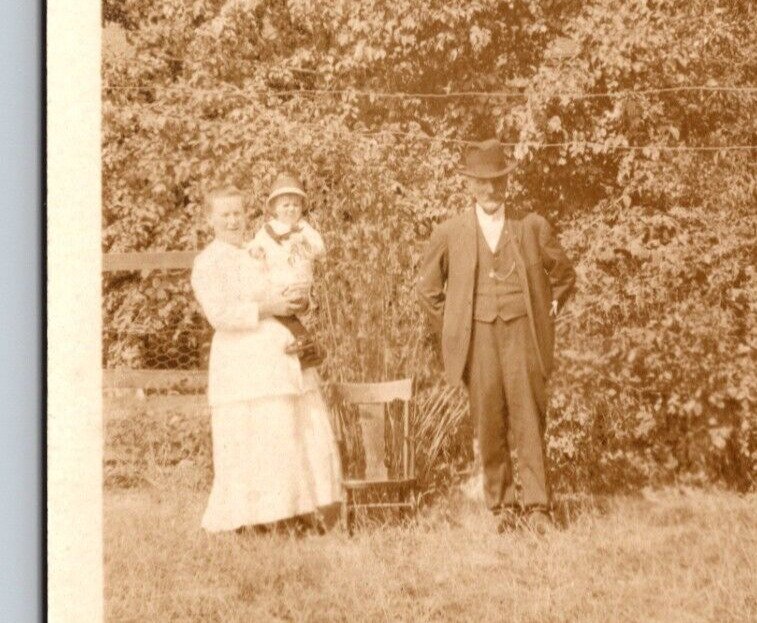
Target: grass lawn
{"type": "Point", "coordinates": [665, 557]}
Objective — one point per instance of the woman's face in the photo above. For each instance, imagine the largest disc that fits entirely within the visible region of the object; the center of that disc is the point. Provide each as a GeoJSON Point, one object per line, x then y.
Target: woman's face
{"type": "Point", "coordinates": [287, 209]}
{"type": "Point", "coordinates": [227, 219]}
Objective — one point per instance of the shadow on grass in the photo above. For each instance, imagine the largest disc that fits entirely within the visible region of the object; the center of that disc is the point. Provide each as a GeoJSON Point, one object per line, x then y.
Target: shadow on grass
{"type": "Point", "coordinates": [319, 523]}
{"type": "Point", "coordinates": [567, 509]}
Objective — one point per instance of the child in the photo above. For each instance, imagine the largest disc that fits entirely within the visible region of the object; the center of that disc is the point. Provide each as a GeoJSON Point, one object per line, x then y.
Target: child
{"type": "Point", "coordinates": [289, 246]}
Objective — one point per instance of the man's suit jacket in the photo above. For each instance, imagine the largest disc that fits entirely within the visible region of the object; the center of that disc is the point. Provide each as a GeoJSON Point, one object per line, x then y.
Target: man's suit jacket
{"type": "Point", "coordinates": [448, 274]}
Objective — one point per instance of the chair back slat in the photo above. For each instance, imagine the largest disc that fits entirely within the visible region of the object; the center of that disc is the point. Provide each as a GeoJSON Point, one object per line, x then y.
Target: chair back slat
{"type": "Point", "coordinates": [375, 393]}
{"type": "Point", "coordinates": [381, 425]}
{"type": "Point", "coordinates": [372, 424]}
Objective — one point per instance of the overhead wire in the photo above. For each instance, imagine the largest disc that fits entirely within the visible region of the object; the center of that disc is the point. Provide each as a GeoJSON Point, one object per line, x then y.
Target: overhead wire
{"type": "Point", "coordinates": [598, 147]}
{"type": "Point", "coordinates": [428, 95]}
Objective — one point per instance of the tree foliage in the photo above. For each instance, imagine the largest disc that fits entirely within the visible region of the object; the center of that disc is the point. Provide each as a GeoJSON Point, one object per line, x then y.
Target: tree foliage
{"type": "Point", "coordinates": [658, 348]}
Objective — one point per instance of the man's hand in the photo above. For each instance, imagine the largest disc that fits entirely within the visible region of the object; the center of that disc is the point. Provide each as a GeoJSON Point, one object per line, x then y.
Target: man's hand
{"type": "Point", "coordinates": [562, 275]}
{"type": "Point", "coordinates": [432, 277]}
{"type": "Point", "coordinates": [554, 308]}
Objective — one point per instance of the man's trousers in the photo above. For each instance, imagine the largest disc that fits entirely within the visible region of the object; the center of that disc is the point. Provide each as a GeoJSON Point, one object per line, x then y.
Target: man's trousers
{"type": "Point", "coordinates": [508, 405]}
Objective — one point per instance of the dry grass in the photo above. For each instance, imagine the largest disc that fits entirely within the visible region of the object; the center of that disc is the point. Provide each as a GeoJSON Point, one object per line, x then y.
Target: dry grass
{"type": "Point", "coordinates": [672, 557]}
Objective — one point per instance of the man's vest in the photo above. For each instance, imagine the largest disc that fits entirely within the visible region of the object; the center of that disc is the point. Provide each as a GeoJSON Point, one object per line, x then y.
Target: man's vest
{"type": "Point", "coordinates": [498, 290]}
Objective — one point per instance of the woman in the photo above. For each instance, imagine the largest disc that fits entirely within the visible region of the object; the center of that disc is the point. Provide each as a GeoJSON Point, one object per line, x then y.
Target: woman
{"type": "Point", "coordinates": [274, 454]}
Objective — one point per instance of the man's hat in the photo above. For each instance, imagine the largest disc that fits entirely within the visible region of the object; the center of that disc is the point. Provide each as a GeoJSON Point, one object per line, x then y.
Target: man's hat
{"type": "Point", "coordinates": [286, 184]}
{"type": "Point", "coordinates": [487, 160]}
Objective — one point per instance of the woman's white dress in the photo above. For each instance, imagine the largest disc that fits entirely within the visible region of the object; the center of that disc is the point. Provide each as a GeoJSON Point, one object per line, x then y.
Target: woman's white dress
{"type": "Point", "coordinates": [274, 453]}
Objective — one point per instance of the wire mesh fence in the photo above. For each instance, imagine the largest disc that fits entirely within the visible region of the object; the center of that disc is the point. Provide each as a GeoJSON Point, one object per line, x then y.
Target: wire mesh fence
{"type": "Point", "coordinates": [179, 348]}
{"type": "Point", "coordinates": [167, 331]}
{"type": "Point", "coordinates": [155, 368]}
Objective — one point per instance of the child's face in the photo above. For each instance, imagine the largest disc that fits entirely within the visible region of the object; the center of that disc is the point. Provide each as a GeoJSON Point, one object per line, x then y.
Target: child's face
{"type": "Point", "coordinates": [227, 219]}
{"type": "Point", "coordinates": [288, 208]}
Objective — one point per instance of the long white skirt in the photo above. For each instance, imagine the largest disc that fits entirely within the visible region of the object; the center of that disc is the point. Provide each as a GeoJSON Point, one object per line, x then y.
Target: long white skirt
{"type": "Point", "coordinates": [273, 458]}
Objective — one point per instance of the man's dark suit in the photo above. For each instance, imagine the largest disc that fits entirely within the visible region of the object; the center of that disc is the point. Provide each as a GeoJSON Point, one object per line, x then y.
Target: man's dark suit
{"type": "Point", "coordinates": [504, 359]}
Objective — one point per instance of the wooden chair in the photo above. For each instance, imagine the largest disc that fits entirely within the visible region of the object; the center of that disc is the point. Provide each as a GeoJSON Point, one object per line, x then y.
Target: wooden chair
{"type": "Point", "coordinates": [378, 425]}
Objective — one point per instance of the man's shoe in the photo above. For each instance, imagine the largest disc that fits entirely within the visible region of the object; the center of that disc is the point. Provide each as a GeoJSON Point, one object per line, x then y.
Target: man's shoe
{"type": "Point", "coordinates": [508, 519]}
{"type": "Point", "coordinates": [538, 521]}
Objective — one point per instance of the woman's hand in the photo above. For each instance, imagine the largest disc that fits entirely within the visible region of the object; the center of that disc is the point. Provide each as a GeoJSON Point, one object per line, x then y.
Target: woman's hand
{"type": "Point", "coordinates": [301, 292]}
{"type": "Point", "coordinates": [282, 303]}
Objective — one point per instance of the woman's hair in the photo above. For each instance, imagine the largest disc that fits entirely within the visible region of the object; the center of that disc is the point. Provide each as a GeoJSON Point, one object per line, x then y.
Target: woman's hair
{"type": "Point", "coordinates": [218, 191]}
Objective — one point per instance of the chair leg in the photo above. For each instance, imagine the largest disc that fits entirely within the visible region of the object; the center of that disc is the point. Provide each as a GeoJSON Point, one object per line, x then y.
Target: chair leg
{"type": "Point", "coordinates": [414, 502]}
{"type": "Point", "coordinates": [346, 523]}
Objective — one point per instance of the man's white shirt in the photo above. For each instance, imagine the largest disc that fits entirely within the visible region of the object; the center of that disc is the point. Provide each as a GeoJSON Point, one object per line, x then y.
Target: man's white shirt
{"type": "Point", "coordinates": [491, 225]}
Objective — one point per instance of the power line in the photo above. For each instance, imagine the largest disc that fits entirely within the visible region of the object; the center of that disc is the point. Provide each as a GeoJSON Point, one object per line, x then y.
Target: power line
{"type": "Point", "coordinates": [592, 144]}
{"type": "Point", "coordinates": [425, 95]}
{"type": "Point", "coordinates": [595, 146]}
{"type": "Point", "coordinates": [703, 88]}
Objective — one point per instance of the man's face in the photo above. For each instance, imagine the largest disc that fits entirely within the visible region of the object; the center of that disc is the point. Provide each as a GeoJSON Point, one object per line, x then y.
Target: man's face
{"type": "Point", "coordinates": [489, 193]}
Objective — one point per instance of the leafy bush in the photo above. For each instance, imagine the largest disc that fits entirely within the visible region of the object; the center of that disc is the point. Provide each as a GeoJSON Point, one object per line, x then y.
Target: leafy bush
{"type": "Point", "coordinates": [656, 372]}
{"type": "Point", "coordinates": [657, 349]}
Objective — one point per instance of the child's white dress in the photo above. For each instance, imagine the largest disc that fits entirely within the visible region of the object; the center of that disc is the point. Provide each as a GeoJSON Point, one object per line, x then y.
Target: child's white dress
{"type": "Point", "coordinates": [288, 252]}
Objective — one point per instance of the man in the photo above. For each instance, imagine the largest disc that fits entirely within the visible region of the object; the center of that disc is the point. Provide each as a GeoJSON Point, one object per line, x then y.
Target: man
{"type": "Point", "coordinates": [491, 281]}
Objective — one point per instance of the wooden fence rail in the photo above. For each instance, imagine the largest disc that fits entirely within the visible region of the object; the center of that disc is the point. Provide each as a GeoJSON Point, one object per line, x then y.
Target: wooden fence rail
{"type": "Point", "coordinates": [128, 378]}
{"type": "Point", "coordinates": [148, 260]}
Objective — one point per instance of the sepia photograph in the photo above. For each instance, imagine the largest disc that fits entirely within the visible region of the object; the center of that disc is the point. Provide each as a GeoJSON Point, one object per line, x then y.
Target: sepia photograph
{"type": "Point", "coordinates": [427, 311]}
